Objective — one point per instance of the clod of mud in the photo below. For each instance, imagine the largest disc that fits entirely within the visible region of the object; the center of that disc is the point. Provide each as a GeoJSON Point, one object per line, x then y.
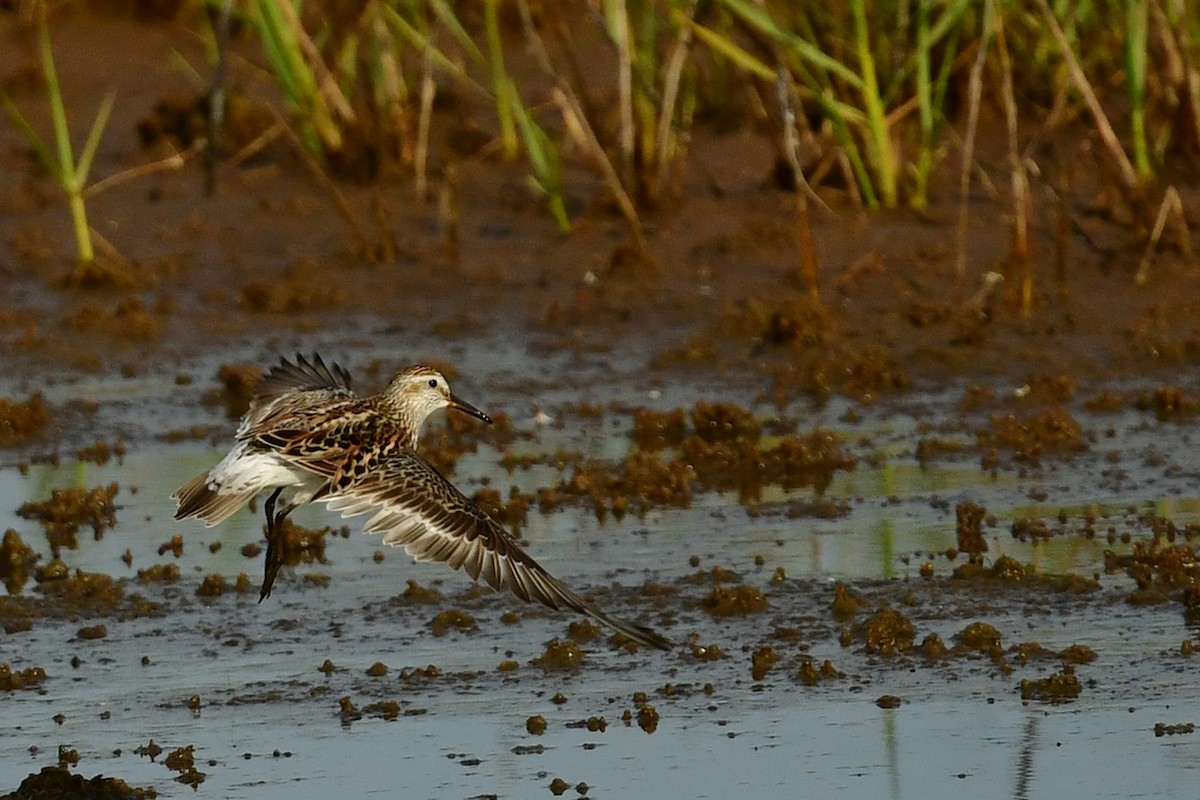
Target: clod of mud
{"type": "Point", "coordinates": [560, 656]}
{"type": "Point", "coordinates": [238, 382]}
{"type": "Point", "coordinates": [761, 661]}
{"type": "Point", "coordinates": [886, 632]}
{"type": "Point", "coordinates": [647, 718]}
{"type": "Point", "coordinates": [583, 631]}
{"type": "Point", "coordinates": [23, 421]}
{"type": "Point", "coordinates": [183, 761]}
{"type": "Point", "coordinates": [67, 509]}
{"type": "Point", "coordinates": [1055, 688]}
{"type": "Point", "coordinates": [969, 528]}
{"type": "Point", "coordinates": [11, 681]}
{"type": "Point", "coordinates": [725, 601]}
{"type": "Point", "coordinates": [1049, 432]}
{"type": "Point", "coordinates": [16, 561]}
{"type": "Point", "coordinates": [980, 637]}
{"type": "Point", "coordinates": [846, 602]}
{"type": "Point", "coordinates": [811, 673]}
{"type": "Point", "coordinates": [387, 710]}
{"type": "Point", "coordinates": [453, 618]}
{"type": "Point", "coordinates": [61, 784]}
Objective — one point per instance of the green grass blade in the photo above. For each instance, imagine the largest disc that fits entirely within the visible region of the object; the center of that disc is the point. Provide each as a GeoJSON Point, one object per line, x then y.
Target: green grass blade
{"type": "Point", "coordinates": [31, 136]}
{"type": "Point", "coordinates": [1136, 39]}
{"type": "Point", "coordinates": [762, 21]}
{"type": "Point", "coordinates": [448, 18]}
{"type": "Point", "coordinates": [88, 154]}
{"type": "Point", "coordinates": [58, 112]}
{"type": "Point", "coordinates": [732, 51]}
{"type": "Point", "coordinates": [879, 144]}
{"type": "Point", "coordinates": [420, 41]}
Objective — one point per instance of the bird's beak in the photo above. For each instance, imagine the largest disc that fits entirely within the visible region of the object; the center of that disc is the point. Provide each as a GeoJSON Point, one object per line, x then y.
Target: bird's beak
{"type": "Point", "coordinates": [466, 407]}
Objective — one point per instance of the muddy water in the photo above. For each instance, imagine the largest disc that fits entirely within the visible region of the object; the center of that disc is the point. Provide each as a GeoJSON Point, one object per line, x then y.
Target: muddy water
{"type": "Point", "coordinates": [267, 722]}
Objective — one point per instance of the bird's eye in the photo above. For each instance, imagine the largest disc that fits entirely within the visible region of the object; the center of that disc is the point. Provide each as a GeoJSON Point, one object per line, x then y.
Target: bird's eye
{"type": "Point", "coordinates": [433, 383]}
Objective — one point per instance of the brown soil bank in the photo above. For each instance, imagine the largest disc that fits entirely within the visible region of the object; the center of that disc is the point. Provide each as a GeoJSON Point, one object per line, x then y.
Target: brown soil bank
{"type": "Point", "coordinates": [278, 249]}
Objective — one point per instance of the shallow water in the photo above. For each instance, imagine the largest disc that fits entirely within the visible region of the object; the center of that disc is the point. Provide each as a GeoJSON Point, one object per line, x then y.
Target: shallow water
{"type": "Point", "coordinates": [962, 727]}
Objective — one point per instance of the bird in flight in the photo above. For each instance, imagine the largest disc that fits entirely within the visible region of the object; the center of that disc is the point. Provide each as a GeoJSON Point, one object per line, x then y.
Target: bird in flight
{"type": "Point", "coordinates": [308, 434]}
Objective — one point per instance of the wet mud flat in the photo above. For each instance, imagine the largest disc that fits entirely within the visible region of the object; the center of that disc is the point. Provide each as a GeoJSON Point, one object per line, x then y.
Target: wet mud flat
{"type": "Point", "coordinates": [934, 592]}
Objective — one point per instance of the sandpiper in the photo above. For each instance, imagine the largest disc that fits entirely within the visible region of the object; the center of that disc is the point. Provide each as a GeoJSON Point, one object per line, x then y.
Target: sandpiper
{"type": "Point", "coordinates": [308, 432]}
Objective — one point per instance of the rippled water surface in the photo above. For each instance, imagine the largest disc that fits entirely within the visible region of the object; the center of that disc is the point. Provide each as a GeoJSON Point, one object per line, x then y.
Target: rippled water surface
{"type": "Point", "coordinates": [268, 723]}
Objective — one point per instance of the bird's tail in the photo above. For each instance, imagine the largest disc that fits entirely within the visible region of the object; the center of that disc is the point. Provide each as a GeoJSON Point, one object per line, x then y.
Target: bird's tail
{"type": "Point", "coordinates": [200, 498]}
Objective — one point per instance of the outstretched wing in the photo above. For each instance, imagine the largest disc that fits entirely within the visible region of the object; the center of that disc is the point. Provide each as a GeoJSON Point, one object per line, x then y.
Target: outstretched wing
{"type": "Point", "coordinates": [303, 376]}
{"type": "Point", "coordinates": [416, 508]}
{"type": "Point", "coordinates": [288, 398]}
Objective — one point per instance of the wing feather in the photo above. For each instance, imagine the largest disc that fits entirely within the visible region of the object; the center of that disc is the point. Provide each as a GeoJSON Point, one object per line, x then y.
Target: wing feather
{"type": "Point", "coordinates": [415, 507]}
{"type": "Point", "coordinates": [304, 376]}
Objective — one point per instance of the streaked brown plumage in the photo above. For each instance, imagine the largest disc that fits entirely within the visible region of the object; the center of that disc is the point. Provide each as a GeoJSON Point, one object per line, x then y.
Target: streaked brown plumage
{"type": "Point", "coordinates": [307, 431]}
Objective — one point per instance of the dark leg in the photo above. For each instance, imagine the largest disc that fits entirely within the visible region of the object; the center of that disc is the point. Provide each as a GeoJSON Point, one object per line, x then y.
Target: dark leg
{"type": "Point", "coordinates": [274, 546]}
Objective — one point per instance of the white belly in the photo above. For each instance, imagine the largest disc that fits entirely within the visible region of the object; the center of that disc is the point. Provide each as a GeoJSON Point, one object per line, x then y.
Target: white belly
{"type": "Point", "coordinates": [244, 471]}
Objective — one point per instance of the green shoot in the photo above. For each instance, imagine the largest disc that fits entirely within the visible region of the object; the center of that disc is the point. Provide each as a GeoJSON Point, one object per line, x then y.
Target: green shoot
{"type": "Point", "coordinates": [71, 174]}
{"type": "Point", "coordinates": [1137, 33]}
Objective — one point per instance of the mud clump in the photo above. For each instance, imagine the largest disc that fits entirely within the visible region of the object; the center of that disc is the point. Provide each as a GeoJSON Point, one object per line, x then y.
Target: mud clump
{"type": "Point", "coordinates": [648, 718]}
{"type": "Point", "coordinates": [811, 673]}
{"type": "Point", "coordinates": [1049, 432]}
{"type": "Point", "coordinates": [641, 482]}
{"type": "Point", "coordinates": [886, 632]}
{"type": "Point", "coordinates": [1055, 688]}
{"type": "Point", "coordinates": [722, 452]}
{"type": "Point", "coordinates": [159, 573]}
{"type": "Point", "coordinates": [11, 681]}
{"type": "Point", "coordinates": [304, 286]}
{"type": "Point", "coordinates": [213, 585]}
{"type": "Point", "coordinates": [61, 784]}
{"type": "Point", "coordinates": [23, 421]}
{"type": "Point", "coordinates": [101, 452]}
{"type": "Point", "coordinates": [1077, 654]}
{"type": "Point", "coordinates": [1159, 569]}
{"type": "Point", "coordinates": [932, 647]}
{"type": "Point", "coordinates": [846, 603]}
{"type": "Point", "coordinates": [69, 509]}
{"type": "Point", "coordinates": [969, 528]}
{"type": "Point", "coordinates": [453, 618]}
{"type": "Point", "coordinates": [513, 514]}
{"type": "Point", "coordinates": [659, 430]}
{"type": "Point", "coordinates": [560, 656]}
{"type": "Point", "coordinates": [583, 631]}
{"type": "Point", "coordinates": [238, 382]}
{"type": "Point", "coordinates": [89, 632]}
{"type": "Point", "coordinates": [416, 593]}
{"type": "Point", "coordinates": [183, 761]}
{"type": "Point", "coordinates": [129, 320]}
{"type": "Point", "coordinates": [980, 637]}
{"type": "Point", "coordinates": [300, 545]}
{"type": "Point", "coordinates": [387, 710]}
{"type": "Point", "coordinates": [85, 593]}
{"type": "Point", "coordinates": [725, 601]}
{"type": "Point", "coordinates": [761, 661]}
{"type": "Point", "coordinates": [17, 560]}
{"type": "Point", "coordinates": [724, 422]}
{"type": "Point", "coordinates": [1168, 403]}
